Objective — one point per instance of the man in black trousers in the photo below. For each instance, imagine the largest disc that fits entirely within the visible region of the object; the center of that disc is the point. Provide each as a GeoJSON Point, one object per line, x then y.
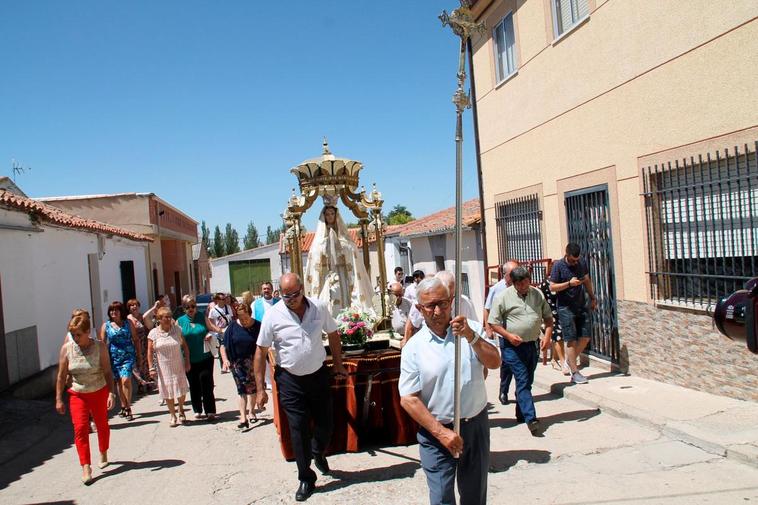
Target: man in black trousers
{"type": "Point", "coordinates": [294, 328]}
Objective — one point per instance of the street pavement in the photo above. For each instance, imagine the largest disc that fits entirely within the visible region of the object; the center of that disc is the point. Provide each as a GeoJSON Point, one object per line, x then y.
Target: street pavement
{"type": "Point", "coordinates": [586, 456]}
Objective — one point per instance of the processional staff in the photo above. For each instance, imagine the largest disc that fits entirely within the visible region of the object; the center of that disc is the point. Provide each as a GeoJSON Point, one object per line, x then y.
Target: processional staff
{"type": "Point", "coordinates": [463, 25]}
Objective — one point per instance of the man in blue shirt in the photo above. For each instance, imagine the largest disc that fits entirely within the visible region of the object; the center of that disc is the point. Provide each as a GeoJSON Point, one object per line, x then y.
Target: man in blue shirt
{"type": "Point", "coordinates": [570, 279]}
{"type": "Point", "coordinates": [427, 394]}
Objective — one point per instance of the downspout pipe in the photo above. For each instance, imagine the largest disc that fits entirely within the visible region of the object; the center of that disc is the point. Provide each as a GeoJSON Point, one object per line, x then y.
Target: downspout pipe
{"type": "Point", "coordinates": [478, 162]}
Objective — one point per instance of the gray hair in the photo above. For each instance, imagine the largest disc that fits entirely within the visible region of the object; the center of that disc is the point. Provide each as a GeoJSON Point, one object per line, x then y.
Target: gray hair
{"type": "Point", "coordinates": [520, 273]}
{"type": "Point", "coordinates": [429, 284]}
{"type": "Point", "coordinates": [187, 299]}
{"type": "Point", "coordinates": [447, 277]}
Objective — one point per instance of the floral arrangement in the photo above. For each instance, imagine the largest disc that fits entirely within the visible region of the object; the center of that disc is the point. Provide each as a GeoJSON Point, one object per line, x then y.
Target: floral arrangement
{"type": "Point", "coordinates": [355, 326]}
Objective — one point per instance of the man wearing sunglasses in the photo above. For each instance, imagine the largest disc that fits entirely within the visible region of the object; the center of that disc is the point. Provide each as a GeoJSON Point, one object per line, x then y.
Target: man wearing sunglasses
{"type": "Point", "coordinates": [427, 394]}
{"type": "Point", "coordinates": [295, 327]}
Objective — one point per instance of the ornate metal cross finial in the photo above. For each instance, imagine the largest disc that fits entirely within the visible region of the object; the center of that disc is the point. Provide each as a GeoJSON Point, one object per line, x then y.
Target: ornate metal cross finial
{"type": "Point", "coordinates": [461, 21]}
{"type": "Point", "coordinates": [326, 146]}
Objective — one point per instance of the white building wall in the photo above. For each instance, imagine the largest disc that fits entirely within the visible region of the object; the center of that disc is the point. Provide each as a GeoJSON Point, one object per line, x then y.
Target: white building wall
{"type": "Point", "coordinates": [220, 280]}
{"type": "Point", "coordinates": [45, 275]}
{"type": "Point", "coordinates": [116, 251]}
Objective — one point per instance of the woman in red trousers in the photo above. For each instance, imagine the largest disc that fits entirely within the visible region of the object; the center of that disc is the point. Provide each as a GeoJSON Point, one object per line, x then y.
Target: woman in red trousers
{"type": "Point", "coordinates": [91, 393]}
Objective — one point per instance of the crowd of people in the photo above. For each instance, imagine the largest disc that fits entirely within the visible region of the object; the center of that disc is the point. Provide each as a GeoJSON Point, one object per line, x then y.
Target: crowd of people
{"type": "Point", "coordinates": [519, 322]}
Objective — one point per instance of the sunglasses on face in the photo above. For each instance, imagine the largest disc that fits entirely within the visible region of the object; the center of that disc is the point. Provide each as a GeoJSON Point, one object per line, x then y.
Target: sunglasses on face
{"type": "Point", "coordinates": [291, 296]}
{"type": "Point", "coordinates": [192, 306]}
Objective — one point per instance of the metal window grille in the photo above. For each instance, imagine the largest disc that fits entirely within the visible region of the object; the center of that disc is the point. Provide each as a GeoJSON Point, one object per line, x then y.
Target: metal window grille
{"type": "Point", "coordinates": [519, 235]}
{"type": "Point", "coordinates": [702, 225]}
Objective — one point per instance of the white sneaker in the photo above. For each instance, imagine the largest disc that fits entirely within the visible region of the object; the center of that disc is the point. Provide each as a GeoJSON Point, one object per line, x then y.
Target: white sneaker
{"type": "Point", "coordinates": [578, 378]}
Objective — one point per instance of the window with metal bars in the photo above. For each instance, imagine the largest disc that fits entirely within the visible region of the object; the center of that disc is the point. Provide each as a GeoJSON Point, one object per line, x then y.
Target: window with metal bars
{"type": "Point", "coordinates": [702, 225]}
{"type": "Point", "coordinates": [519, 235]}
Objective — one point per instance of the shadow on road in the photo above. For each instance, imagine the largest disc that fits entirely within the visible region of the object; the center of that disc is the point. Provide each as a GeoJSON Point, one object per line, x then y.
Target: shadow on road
{"type": "Point", "coordinates": [501, 461]}
{"type": "Point", "coordinates": [128, 424]}
{"type": "Point", "coordinates": [118, 467]}
{"type": "Point", "coordinates": [566, 417]}
{"type": "Point", "coordinates": [344, 479]}
{"type": "Point", "coordinates": [65, 502]}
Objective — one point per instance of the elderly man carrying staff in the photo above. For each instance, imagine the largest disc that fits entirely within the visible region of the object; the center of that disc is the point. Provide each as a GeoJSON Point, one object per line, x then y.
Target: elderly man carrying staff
{"type": "Point", "coordinates": [294, 327]}
{"type": "Point", "coordinates": [522, 309]}
{"type": "Point", "coordinates": [427, 393]}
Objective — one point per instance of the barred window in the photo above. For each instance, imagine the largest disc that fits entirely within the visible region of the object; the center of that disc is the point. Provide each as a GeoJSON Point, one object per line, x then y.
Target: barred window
{"type": "Point", "coordinates": [519, 235]}
{"type": "Point", "coordinates": [702, 225]}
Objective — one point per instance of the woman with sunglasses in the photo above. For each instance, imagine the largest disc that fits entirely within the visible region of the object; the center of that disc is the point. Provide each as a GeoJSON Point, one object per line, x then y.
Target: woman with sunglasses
{"type": "Point", "coordinates": [123, 347]}
{"type": "Point", "coordinates": [86, 361]}
{"type": "Point", "coordinates": [165, 346]}
{"type": "Point", "coordinates": [200, 374]}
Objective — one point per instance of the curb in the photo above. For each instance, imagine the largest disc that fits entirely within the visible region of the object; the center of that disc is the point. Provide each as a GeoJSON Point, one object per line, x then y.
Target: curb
{"type": "Point", "coordinates": [746, 454]}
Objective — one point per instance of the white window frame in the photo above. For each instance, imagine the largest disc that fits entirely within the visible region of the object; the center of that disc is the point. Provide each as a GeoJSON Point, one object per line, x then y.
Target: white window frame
{"type": "Point", "coordinates": [507, 75]}
{"type": "Point", "coordinates": [566, 29]}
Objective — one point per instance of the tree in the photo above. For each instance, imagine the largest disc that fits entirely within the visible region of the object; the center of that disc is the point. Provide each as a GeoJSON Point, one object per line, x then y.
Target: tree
{"type": "Point", "coordinates": [272, 235]}
{"type": "Point", "coordinates": [231, 240]}
{"type": "Point", "coordinates": [251, 240]}
{"type": "Point", "coordinates": [205, 237]}
{"type": "Point", "coordinates": [218, 243]}
{"type": "Point", "coordinates": [399, 215]}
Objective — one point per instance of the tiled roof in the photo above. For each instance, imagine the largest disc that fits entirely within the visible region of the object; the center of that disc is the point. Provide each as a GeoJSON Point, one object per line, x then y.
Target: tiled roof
{"type": "Point", "coordinates": [54, 215]}
{"type": "Point", "coordinates": [443, 220]}
{"type": "Point", "coordinates": [307, 239]}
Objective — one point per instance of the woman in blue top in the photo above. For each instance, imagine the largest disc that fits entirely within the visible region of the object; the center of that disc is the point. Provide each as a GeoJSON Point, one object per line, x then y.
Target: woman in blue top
{"type": "Point", "coordinates": [200, 375]}
{"type": "Point", "coordinates": [237, 350]}
{"type": "Point", "coordinates": [123, 346]}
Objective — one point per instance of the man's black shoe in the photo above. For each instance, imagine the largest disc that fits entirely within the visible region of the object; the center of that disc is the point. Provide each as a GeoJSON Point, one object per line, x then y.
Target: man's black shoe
{"type": "Point", "coordinates": [504, 399]}
{"type": "Point", "coordinates": [535, 427]}
{"type": "Point", "coordinates": [305, 490]}
{"type": "Point", "coordinates": [321, 463]}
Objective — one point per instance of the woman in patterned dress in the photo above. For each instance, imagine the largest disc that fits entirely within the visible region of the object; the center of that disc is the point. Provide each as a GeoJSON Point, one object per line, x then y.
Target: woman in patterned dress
{"type": "Point", "coordinates": [123, 346]}
{"type": "Point", "coordinates": [237, 350]}
{"type": "Point", "coordinates": [165, 342]}
{"type": "Point", "coordinates": [142, 326]}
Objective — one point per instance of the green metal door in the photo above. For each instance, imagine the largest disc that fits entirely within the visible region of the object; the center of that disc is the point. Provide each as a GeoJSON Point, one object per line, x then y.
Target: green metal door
{"type": "Point", "coordinates": [248, 275]}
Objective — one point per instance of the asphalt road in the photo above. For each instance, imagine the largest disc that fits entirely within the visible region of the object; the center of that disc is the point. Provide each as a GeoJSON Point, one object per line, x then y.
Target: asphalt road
{"type": "Point", "coordinates": [585, 457]}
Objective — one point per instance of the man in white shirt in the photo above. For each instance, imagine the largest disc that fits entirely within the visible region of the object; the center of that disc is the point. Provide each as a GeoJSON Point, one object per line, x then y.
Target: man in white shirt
{"type": "Point", "coordinates": [427, 394]}
{"type": "Point", "coordinates": [410, 291]}
{"type": "Point", "coordinates": [401, 309]}
{"type": "Point", "coordinates": [294, 328]}
{"type": "Point", "coordinates": [217, 318]}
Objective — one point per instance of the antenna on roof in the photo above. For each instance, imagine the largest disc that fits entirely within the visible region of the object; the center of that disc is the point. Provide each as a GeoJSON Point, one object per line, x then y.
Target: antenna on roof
{"type": "Point", "coordinates": [17, 168]}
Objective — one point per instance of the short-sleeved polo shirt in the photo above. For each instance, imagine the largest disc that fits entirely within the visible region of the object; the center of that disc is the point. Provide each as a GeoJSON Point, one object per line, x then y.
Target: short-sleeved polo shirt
{"type": "Point", "coordinates": [427, 367]}
{"type": "Point", "coordinates": [522, 316]}
{"type": "Point", "coordinates": [298, 344]}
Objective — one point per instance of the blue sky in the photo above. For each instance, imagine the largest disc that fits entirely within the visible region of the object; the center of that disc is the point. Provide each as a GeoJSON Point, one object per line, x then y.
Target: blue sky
{"type": "Point", "coordinates": [209, 103]}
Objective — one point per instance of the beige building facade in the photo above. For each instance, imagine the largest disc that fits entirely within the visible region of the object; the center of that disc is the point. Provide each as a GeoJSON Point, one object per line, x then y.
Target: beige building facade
{"type": "Point", "coordinates": [173, 232]}
{"type": "Point", "coordinates": [629, 126]}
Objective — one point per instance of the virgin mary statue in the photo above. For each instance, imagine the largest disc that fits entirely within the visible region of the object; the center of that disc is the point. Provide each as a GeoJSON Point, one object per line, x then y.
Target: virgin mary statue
{"type": "Point", "coordinates": [334, 273]}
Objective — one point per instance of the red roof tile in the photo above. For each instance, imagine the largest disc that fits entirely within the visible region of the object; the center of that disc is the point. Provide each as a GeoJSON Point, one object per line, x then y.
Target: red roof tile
{"type": "Point", "coordinates": [443, 220]}
{"type": "Point", "coordinates": [56, 216]}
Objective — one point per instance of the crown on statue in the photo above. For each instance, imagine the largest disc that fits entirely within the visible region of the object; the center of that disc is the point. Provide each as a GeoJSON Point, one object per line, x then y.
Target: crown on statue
{"type": "Point", "coordinates": [330, 200]}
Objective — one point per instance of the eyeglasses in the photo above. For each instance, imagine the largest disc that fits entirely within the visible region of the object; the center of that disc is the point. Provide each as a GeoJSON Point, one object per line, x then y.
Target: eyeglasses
{"type": "Point", "coordinates": [429, 307]}
{"type": "Point", "coordinates": [291, 296]}
{"type": "Point", "coordinates": [165, 317]}
{"type": "Point", "coordinates": [191, 306]}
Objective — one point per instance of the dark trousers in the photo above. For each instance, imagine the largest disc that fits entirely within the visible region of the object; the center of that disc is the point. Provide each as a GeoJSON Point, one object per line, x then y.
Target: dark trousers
{"type": "Point", "coordinates": [506, 375]}
{"type": "Point", "coordinates": [522, 360]}
{"type": "Point", "coordinates": [200, 378]}
{"type": "Point", "coordinates": [471, 468]}
{"type": "Point", "coordinates": [305, 398]}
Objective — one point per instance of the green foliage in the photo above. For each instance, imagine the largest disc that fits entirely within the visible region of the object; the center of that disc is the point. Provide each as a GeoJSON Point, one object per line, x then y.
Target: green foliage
{"type": "Point", "coordinates": [251, 240]}
{"type": "Point", "coordinates": [218, 243]}
{"type": "Point", "coordinates": [272, 234]}
{"type": "Point", "coordinates": [399, 215]}
{"type": "Point", "coordinates": [205, 237]}
{"type": "Point", "coordinates": [231, 240]}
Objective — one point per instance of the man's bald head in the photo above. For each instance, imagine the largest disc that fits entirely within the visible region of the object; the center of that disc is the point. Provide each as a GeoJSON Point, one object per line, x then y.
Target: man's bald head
{"type": "Point", "coordinates": [290, 282]}
{"type": "Point", "coordinates": [397, 289]}
{"type": "Point", "coordinates": [507, 267]}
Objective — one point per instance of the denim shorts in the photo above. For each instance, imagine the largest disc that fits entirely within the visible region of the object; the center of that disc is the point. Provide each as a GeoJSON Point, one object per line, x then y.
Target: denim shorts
{"type": "Point", "coordinates": [574, 325]}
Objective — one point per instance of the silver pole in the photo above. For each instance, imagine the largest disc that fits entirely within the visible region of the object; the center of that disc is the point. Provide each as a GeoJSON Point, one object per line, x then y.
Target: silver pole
{"type": "Point", "coordinates": [462, 24]}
